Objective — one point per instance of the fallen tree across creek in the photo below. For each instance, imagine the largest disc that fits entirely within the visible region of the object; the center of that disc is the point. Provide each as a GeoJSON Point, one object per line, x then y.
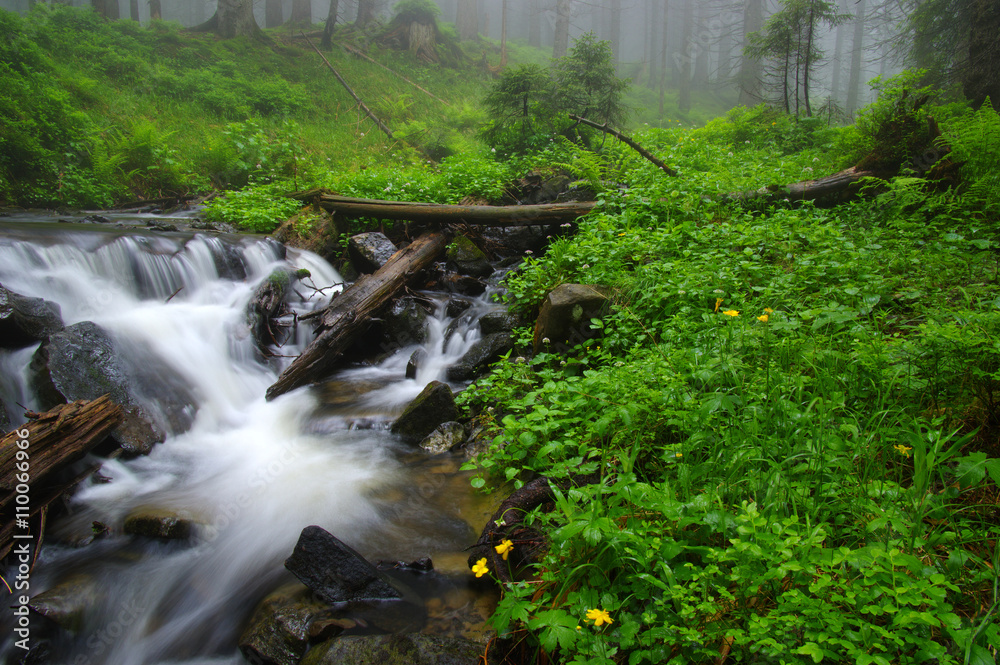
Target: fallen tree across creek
{"type": "Point", "coordinates": [516, 215]}
{"type": "Point", "coordinates": [349, 313]}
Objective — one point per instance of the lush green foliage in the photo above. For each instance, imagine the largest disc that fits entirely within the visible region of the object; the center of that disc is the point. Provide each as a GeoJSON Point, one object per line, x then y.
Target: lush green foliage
{"type": "Point", "coordinates": [792, 412]}
{"type": "Point", "coordinates": [527, 106]}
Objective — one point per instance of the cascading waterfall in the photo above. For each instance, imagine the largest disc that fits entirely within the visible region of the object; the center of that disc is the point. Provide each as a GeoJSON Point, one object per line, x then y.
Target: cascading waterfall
{"type": "Point", "coordinates": [251, 473]}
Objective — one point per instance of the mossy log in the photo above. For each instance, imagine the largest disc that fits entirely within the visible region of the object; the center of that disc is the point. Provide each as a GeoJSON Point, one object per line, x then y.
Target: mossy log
{"type": "Point", "coordinates": [55, 439]}
{"type": "Point", "coordinates": [435, 213]}
{"type": "Point", "coordinates": [349, 314]}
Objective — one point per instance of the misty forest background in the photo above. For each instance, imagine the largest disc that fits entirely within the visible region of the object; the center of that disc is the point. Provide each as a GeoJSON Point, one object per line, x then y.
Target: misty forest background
{"type": "Point", "coordinates": [780, 442]}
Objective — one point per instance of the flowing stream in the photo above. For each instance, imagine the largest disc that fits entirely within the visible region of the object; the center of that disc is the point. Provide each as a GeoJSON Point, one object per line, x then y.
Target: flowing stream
{"type": "Point", "coordinates": [251, 473]}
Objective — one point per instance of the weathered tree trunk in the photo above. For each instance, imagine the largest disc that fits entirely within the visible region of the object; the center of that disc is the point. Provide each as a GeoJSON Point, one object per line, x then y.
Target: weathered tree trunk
{"type": "Point", "coordinates": [366, 13]}
{"type": "Point", "coordinates": [982, 77]}
{"type": "Point", "coordinates": [54, 439]}
{"type": "Point", "coordinates": [838, 55]}
{"type": "Point", "coordinates": [837, 187]}
{"type": "Point", "coordinates": [133, 10]}
{"type": "Point", "coordinates": [854, 83]}
{"type": "Point", "coordinates": [684, 92]}
{"type": "Point", "coordinates": [331, 23]}
{"type": "Point", "coordinates": [519, 215]}
{"type": "Point", "coordinates": [349, 313]}
{"type": "Point", "coordinates": [561, 44]}
{"type": "Point", "coordinates": [301, 12]}
{"type": "Point", "coordinates": [749, 77]}
{"type": "Point", "coordinates": [155, 12]}
{"type": "Point", "coordinates": [232, 18]}
{"type": "Point", "coordinates": [106, 8]}
{"type": "Point", "coordinates": [273, 13]}
{"type": "Point", "coordinates": [534, 23]}
{"type": "Point", "coordinates": [467, 20]}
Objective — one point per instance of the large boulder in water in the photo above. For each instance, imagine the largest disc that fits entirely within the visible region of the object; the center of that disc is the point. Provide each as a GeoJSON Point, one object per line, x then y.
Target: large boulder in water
{"type": "Point", "coordinates": [369, 251]}
{"type": "Point", "coordinates": [25, 321]}
{"type": "Point", "coordinates": [434, 405]}
{"type": "Point", "coordinates": [466, 258]}
{"type": "Point", "coordinates": [82, 361]}
{"type": "Point", "coordinates": [278, 632]}
{"type": "Point", "coordinates": [480, 355]}
{"type": "Point", "coordinates": [404, 323]}
{"type": "Point", "coordinates": [409, 649]}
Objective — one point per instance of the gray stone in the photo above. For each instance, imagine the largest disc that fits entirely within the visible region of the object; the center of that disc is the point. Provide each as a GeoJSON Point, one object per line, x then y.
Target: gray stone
{"type": "Point", "coordinates": [410, 649]}
{"type": "Point", "coordinates": [279, 631]}
{"type": "Point", "coordinates": [434, 405]}
{"type": "Point", "coordinates": [405, 323]}
{"type": "Point", "coordinates": [369, 251]}
{"type": "Point", "coordinates": [67, 603]}
{"type": "Point", "coordinates": [444, 437]}
{"type": "Point", "coordinates": [466, 258]}
{"type": "Point", "coordinates": [564, 318]}
{"type": "Point", "coordinates": [25, 321]}
{"type": "Point", "coordinates": [417, 358]}
{"type": "Point", "coordinates": [487, 350]}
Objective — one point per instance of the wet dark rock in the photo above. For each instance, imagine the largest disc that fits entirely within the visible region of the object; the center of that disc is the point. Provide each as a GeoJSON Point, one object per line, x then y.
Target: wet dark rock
{"type": "Point", "coordinates": [83, 362]}
{"type": "Point", "coordinates": [423, 565]}
{"type": "Point", "coordinates": [370, 251]}
{"type": "Point", "coordinates": [499, 321]}
{"type": "Point", "coordinates": [434, 405]}
{"type": "Point", "coordinates": [158, 523]}
{"type": "Point", "coordinates": [487, 350]}
{"type": "Point", "coordinates": [336, 573]}
{"type": "Point", "coordinates": [564, 318]}
{"type": "Point", "coordinates": [25, 321]}
{"type": "Point", "coordinates": [467, 259]}
{"type": "Point", "coordinates": [279, 630]}
{"type": "Point", "coordinates": [229, 262]}
{"type": "Point", "coordinates": [404, 323]}
{"type": "Point", "coordinates": [96, 219]}
{"type": "Point", "coordinates": [410, 649]}
{"type": "Point", "coordinates": [444, 437]}
{"type": "Point", "coordinates": [67, 603]}
{"type": "Point", "coordinates": [462, 284]}
{"type": "Point", "coordinates": [200, 225]}
{"type": "Point", "coordinates": [417, 358]}
{"type": "Point", "coordinates": [161, 226]}
{"type": "Point", "coordinates": [456, 306]}
{"type": "Point", "coordinates": [269, 303]}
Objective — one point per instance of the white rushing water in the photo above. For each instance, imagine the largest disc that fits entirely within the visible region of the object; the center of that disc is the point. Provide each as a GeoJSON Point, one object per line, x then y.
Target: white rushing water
{"type": "Point", "coordinates": [251, 473]}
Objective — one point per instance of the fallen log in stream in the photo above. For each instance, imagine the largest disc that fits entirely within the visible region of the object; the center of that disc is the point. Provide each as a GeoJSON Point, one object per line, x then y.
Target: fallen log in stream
{"type": "Point", "coordinates": [516, 215]}
{"type": "Point", "coordinates": [54, 440]}
{"type": "Point", "coordinates": [349, 313]}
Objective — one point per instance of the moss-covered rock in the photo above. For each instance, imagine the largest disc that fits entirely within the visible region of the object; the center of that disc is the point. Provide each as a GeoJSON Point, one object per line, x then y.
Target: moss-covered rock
{"type": "Point", "coordinates": [466, 258]}
{"type": "Point", "coordinates": [434, 405]}
{"type": "Point", "coordinates": [411, 649]}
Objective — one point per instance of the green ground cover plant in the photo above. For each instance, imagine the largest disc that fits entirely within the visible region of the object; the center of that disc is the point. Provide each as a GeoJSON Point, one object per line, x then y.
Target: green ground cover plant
{"type": "Point", "coordinates": [792, 411]}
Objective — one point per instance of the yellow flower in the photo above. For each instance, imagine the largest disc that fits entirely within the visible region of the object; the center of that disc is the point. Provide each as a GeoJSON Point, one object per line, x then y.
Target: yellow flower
{"type": "Point", "coordinates": [718, 301]}
{"type": "Point", "coordinates": [504, 548]}
{"type": "Point", "coordinates": [903, 450]}
{"type": "Point", "coordinates": [599, 617]}
{"type": "Point", "coordinates": [768, 310]}
{"type": "Point", "coordinates": [622, 234]}
{"type": "Point", "coordinates": [762, 318]}
{"type": "Point", "coordinates": [480, 568]}
{"type": "Point", "coordinates": [732, 312]}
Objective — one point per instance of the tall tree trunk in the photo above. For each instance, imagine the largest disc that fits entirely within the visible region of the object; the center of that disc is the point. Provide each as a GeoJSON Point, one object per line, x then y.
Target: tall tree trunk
{"type": "Point", "coordinates": [838, 55]}
{"type": "Point", "coordinates": [106, 8]}
{"type": "Point", "coordinates": [810, 30]}
{"type": "Point", "coordinates": [301, 12]}
{"type": "Point", "coordinates": [503, 34]}
{"type": "Point", "coordinates": [615, 29]}
{"type": "Point", "coordinates": [232, 18]}
{"type": "Point", "coordinates": [133, 10]}
{"type": "Point", "coordinates": [331, 23]}
{"type": "Point", "coordinates": [155, 12]}
{"type": "Point", "coordinates": [684, 93]}
{"type": "Point", "coordinates": [663, 55]}
{"type": "Point", "coordinates": [273, 14]}
{"type": "Point", "coordinates": [750, 70]}
{"type": "Point", "coordinates": [725, 67]}
{"type": "Point", "coordinates": [982, 78]}
{"type": "Point", "coordinates": [467, 20]}
{"type": "Point", "coordinates": [366, 13]}
{"type": "Point", "coordinates": [702, 46]}
{"type": "Point", "coordinates": [652, 34]}
{"type": "Point", "coordinates": [561, 44]}
{"type": "Point", "coordinates": [857, 46]}
{"type": "Point", "coordinates": [534, 23]}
